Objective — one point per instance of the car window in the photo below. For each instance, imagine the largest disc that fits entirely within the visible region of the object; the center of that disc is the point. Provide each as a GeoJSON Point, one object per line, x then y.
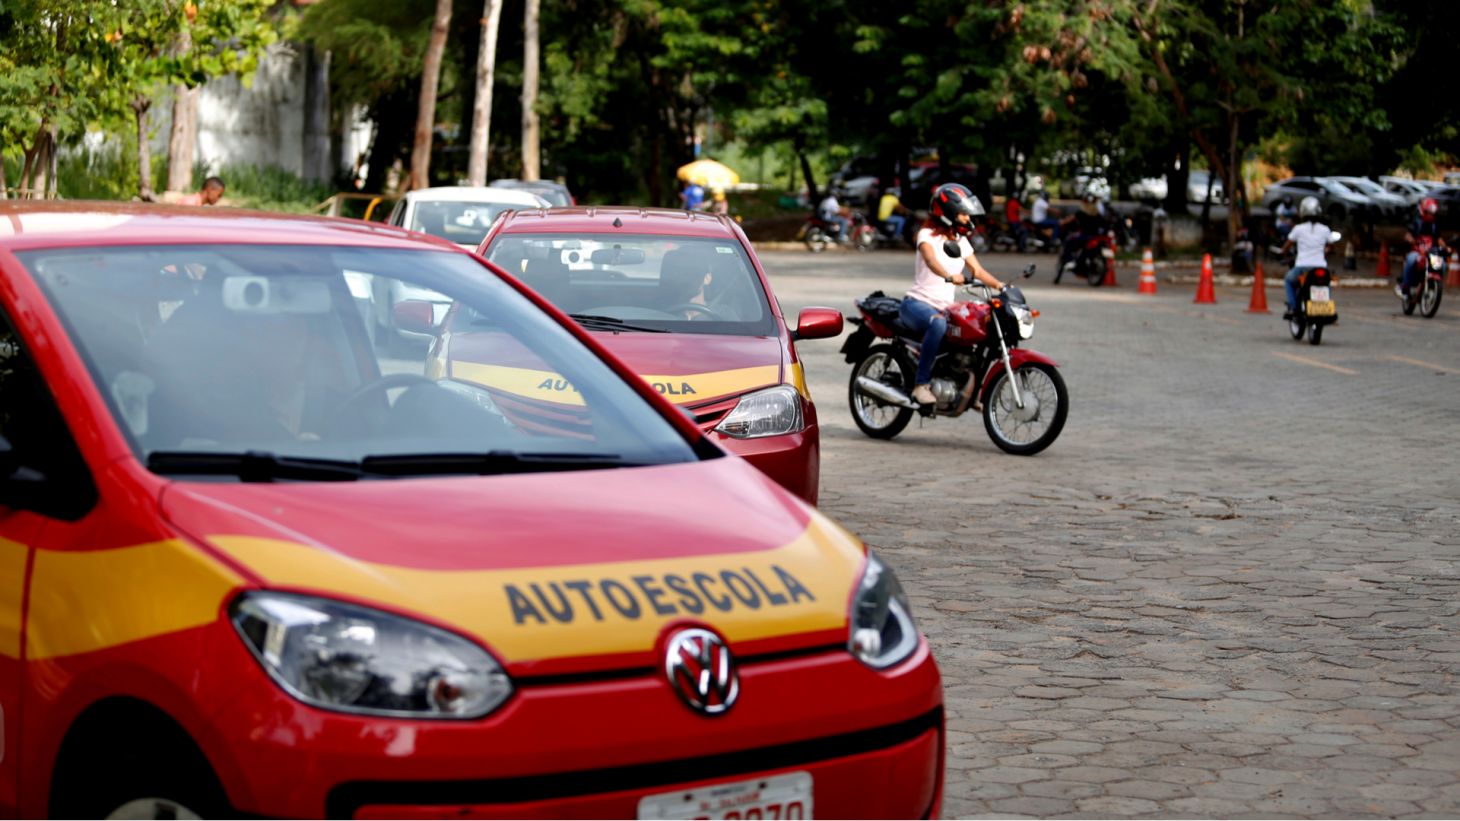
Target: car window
{"type": "Point", "coordinates": [679, 284]}
{"type": "Point", "coordinates": [464, 223]}
{"type": "Point", "coordinates": [37, 434]}
{"type": "Point", "coordinates": [329, 353]}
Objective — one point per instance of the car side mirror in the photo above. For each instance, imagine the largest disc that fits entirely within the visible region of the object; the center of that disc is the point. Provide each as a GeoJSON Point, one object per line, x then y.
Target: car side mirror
{"type": "Point", "coordinates": [414, 316]}
{"type": "Point", "coordinates": [818, 323]}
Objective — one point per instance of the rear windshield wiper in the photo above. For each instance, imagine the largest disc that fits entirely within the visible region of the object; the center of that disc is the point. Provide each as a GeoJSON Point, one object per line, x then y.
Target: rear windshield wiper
{"type": "Point", "coordinates": [600, 322]}
{"type": "Point", "coordinates": [490, 462]}
{"type": "Point", "coordinates": [251, 466]}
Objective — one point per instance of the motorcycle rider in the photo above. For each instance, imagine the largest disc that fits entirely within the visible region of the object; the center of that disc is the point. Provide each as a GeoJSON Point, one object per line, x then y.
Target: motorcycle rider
{"type": "Point", "coordinates": [1424, 226]}
{"type": "Point", "coordinates": [1311, 239]}
{"type": "Point", "coordinates": [1014, 216]}
{"type": "Point", "coordinates": [891, 213]}
{"type": "Point", "coordinates": [935, 273]}
{"type": "Point", "coordinates": [1087, 223]}
{"type": "Point", "coordinates": [830, 212]}
{"type": "Point", "coordinates": [1039, 216]}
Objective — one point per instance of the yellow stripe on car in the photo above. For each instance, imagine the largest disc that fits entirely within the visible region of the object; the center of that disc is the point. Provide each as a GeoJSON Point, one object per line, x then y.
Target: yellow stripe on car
{"type": "Point", "coordinates": [593, 609]}
{"type": "Point", "coordinates": [12, 595]}
{"type": "Point", "coordinates": [686, 388]}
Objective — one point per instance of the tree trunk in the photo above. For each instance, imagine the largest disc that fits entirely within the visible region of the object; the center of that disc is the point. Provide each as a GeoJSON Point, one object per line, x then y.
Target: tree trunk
{"type": "Point", "coordinates": [426, 111]}
{"type": "Point", "coordinates": [144, 155]}
{"type": "Point", "coordinates": [531, 166]}
{"type": "Point", "coordinates": [1234, 183]}
{"type": "Point", "coordinates": [183, 139]}
{"type": "Point", "coordinates": [656, 169]}
{"type": "Point", "coordinates": [813, 195]}
{"type": "Point", "coordinates": [40, 175]}
{"type": "Point", "coordinates": [481, 115]}
{"type": "Point", "coordinates": [4, 186]}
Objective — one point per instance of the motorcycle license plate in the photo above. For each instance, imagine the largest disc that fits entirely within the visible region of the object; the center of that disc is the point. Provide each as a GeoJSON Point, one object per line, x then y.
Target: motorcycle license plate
{"type": "Point", "coordinates": [1319, 293]}
{"type": "Point", "coordinates": [779, 796]}
{"type": "Point", "coordinates": [1325, 308]}
{"type": "Point", "coordinates": [1107, 253]}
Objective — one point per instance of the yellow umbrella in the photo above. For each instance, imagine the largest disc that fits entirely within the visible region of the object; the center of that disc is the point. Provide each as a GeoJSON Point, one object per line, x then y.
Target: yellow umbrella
{"type": "Point", "coordinates": [708, 173]}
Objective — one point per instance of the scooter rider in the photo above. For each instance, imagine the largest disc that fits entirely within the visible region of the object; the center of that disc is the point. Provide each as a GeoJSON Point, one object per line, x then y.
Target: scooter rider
{"type": "Point", "coordinates": [935, 273]}
{"type": "Point", "coordinates": [1088, 223]}
{"type": "Point", "coordinates": [891, 213]}
{"type": "Point", "coordinates": [1425, 226]}
{"type": "Point", "coordinates": [1311, 238]}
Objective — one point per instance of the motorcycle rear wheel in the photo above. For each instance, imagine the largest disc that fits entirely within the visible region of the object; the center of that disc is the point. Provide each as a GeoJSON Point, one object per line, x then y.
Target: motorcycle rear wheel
{"type": "Point", "coordinates": [1296, 327]}
{"type": "Point", "coordinates": [1408, 303]}
{"type": "Point", "coordinates": [1315, 334]}
{"type": "Point", "coordinates": [865, 239]}
{"type": "Point", "coordinates": [816, 241]}
{"type": "Point", "coordinates": [1040, 383]}
{"type": "Point", "coordinates": [1429, 299]}
{"type": "Point", "coordinates": [886, 364]}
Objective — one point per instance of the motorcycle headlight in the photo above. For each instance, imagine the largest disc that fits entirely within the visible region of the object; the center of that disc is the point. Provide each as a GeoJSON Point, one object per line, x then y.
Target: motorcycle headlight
{"type": "Point", "coordinates": [1437, 261]}
{"type": "Point", "coordinates": [357, 660]}
{"type": "Point", "coordinates": [882, 628]}
{"type": "Point", "coordinates": [771, 412]}
{"type": "Point", "coordinates": [1026, 321]}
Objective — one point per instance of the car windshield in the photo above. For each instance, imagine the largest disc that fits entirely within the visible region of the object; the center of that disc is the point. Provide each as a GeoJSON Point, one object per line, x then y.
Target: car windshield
{"type": "Point", "coordinates": [678, 284]}
{"type": "Point", "coordinates": [1364, 186]}
{"type": "Point", "coordinates": [332, 353]}
{"type": "Point", "coordinates": [464, 223]}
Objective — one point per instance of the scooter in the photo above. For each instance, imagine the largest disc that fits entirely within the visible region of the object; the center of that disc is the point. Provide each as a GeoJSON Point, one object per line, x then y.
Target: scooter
{"type": "Point", "coordinates": [1426, 296]}
{"type": "Point", "coordinates": [1023, 414]}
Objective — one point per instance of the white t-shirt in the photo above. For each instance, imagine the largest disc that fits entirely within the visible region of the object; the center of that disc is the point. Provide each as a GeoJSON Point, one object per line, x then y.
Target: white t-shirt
{"type": "Point", "coordinates": [928, 285]}
{"type": "Point", "coordinates": [1041, 210]}
{"type": "Point", "coordinates": [829, 208]}
{"type": "Point", "coordinates": [1311, 239]}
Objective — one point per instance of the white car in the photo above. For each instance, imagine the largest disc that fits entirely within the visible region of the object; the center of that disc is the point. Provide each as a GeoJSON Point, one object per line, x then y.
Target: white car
{"type": "Point", "coordinates": [1149, 189]}
{"type": "Point", "coordinates": [459, 214]}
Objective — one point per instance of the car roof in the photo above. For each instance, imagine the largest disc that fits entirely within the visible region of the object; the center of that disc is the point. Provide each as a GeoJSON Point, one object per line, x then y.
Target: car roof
{"type": "Point", "coordinates": [620, 219]}
{"type": "Point", "coordinates": [470, 193]}
{"type": "Point", "coordinates": [53, 223]}
{"type": "Point", "coordinates": [513, 182]}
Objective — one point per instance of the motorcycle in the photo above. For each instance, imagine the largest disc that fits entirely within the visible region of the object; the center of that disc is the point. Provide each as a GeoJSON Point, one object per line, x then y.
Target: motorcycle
{"type": "Point", "coordinates": [1023, 413]}
{"type": "Point", "coordinates": [866, 236]}
{"type": "Point", "coordinates": [1315, 309]}
{"type": "Point", "coordinates": [1094, 259]}
{"type": "Point", "coordinates": [1035, 240]}
{"type": "Point", "coordinates": [1426, 296]}
{"type": "Point", "coordinates": [818, 233]}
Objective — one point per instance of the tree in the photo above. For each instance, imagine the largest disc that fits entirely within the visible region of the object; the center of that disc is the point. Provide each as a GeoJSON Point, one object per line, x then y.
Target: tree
{"type": "Point", "coordinates": [481, 120]}
{"type": "Point", "coordinates": [531, 165]}
{"type": "Point", "coordinates": [426, 112]}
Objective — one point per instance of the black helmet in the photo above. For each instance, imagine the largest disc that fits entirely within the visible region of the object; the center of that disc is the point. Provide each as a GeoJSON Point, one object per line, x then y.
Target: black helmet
{"type": "Point", "coordinates": [951, 199]}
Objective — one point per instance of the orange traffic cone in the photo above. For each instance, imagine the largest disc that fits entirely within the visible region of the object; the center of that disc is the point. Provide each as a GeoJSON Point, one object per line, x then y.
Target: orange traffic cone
{"type": "Point", "coordinates": [1453, 281]}
{"type": "Point", "coordinates": [1383, 270]}
{"type": "Point", "coordinates": [1206, 290]}
{"type": "Point", "coordinates": [1109, 281]}
{"type": "Point", "coordinates": [1258, 305]}
{"type": "Point", "coordinates": [1148, 273]}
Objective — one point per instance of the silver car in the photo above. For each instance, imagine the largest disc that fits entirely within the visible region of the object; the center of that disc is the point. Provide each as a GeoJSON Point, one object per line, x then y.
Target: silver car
{"type": "Point", "coordinates": [1196, 187]}
{"type": "Point", "coordinates": [1339, 202]}
{"type": "Point", "coordinates": [1390, 206]}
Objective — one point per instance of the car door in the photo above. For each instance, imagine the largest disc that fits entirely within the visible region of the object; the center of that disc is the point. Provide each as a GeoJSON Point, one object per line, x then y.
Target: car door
{"type": "Point", "coordinates": [35, 442]}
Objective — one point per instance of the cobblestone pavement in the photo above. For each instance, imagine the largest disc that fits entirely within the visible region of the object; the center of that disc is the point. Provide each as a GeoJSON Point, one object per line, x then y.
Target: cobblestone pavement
{"type": "Point", "coordinates": [1230, 589]}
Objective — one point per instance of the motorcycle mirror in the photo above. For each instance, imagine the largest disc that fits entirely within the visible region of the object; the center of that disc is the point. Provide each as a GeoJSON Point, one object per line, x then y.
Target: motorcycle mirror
{"type": "Point", "coordinates": [1334, 236]}
{"type": "Point", "coordinates": [1029, 272]}
{"type": "Point", "coordinates": [952, 249]}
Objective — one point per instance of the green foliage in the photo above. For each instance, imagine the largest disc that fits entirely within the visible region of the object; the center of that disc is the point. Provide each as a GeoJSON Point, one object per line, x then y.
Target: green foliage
{"type": "Point", "coordinates": [270, 188]}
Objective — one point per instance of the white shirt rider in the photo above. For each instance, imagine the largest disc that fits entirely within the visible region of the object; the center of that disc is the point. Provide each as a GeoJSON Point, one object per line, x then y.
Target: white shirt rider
{"type": "Point", "coordinates": [935, 287]}
{"type": "Point", "coordinates": [1311, 239]}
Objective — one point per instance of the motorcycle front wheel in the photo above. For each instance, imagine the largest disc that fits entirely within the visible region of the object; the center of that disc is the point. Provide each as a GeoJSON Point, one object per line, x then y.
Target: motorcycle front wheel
{"type": "Point", "coordinates": [1408, 303]}
{"type": "Point", "coordinates": [1429, 299]}
{"type": "Point", "coordinates": [865, 239]}
{"type": "Point", "coordinates": [1094, 274]}
{"type": "Point", "coordinates": [891, 367]}
{"type": "Point", "coordinates": [816, 241]}
{"type": "Point", "coordinates": [1028, 430]}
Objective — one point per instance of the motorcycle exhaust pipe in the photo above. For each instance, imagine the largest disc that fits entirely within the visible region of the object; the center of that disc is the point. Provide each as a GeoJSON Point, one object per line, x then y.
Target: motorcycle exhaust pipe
{"type": "Point", "coordinates": [886, 393]}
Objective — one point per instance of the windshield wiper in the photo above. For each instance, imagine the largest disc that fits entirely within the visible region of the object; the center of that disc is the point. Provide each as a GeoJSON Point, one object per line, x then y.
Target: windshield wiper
{"type": "Point", "coordinates": [600, 322]}
{"type": "Point", "coordinates": [490, 462]}
{"type": "Point", "coordinates": [251, 466]}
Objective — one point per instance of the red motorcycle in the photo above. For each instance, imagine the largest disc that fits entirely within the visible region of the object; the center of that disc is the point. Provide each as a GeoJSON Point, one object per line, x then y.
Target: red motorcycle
{"type": "Point", "coordinates": [1433, 264]}
{"type": "Point", "coordinates": [1094, 258]}
{"type": "Point", "coordinates": [1023, 415]}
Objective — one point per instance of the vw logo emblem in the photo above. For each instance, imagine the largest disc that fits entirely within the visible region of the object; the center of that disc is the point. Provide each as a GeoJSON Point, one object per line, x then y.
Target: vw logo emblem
{"type": "Point", "coordinates": [702, 671]}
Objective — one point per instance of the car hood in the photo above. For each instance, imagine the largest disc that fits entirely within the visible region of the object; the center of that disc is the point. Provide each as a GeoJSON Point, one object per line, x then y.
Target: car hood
{"type": "Point", "coordinates": [688, 369]}
{"type": "Point", "coordinates": [555, 573]}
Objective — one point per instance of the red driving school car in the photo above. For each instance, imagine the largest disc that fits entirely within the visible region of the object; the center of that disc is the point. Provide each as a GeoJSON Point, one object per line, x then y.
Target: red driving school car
{"type": "Point", "coordinates": [252, 563]}
{"type": "Point", "coordinates": [679, 297]}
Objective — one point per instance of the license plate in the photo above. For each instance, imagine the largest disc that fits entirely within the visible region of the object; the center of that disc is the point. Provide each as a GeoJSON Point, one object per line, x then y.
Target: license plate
{"type": "Point", "coordinates": [1107, 253]}
{"type": "Point", "coordinates": [1322, 309]}
{"type": "Point", "coordinates": [774, 797]}
{"type": "Point", "coordinates": [1319, 293]}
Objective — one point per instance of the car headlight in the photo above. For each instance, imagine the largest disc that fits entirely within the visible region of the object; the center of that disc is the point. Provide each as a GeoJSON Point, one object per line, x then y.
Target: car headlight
{"type": "Point", "coordinates": [883, 632]}
{"type": "Point", "coordinates": [1026, 321]}
{"type": "Point", "coordinates": [354, 659]}
{"type": "Point", "coordinates": [771, 412]}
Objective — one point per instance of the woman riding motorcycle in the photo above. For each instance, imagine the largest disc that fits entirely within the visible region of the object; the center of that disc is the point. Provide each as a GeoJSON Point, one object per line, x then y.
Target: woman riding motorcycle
{"type": "Point", "coordinates": [1311, 238]}
{"type": "Point", "coordinates": [935, 273]}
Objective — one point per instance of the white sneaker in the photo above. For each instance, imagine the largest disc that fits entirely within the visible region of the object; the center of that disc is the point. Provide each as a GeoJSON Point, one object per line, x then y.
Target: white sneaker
{"type": "Point", "coordinates": [923, 395]}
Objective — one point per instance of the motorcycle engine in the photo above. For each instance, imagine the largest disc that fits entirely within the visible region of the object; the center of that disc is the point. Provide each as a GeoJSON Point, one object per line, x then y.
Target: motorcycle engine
{"type": "Point", "coordinates": [946, 390]}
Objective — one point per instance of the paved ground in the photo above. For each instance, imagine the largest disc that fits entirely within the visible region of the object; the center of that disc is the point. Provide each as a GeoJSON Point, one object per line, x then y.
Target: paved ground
{"type": "Point", "coordinates": [1230, 589]}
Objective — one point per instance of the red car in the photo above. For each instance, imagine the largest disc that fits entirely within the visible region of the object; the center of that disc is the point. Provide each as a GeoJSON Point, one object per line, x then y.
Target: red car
{"type": "Point", "coordinates": [249, 565]}
{"type": "Point", "coordinates": [682, 300]}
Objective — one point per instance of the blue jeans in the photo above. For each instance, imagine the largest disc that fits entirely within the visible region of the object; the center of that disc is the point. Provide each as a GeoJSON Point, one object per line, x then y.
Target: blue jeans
{"type": "Point", "coordinates": [1411, 269]}
{"type": "Point", "coordinates": [920, 316]}
{"type": "Point", "coordinates": [894, 225]}
{"type": "Point", "coordinates": [1290, 284]}
{"type": "Point", "coordinates": [1052, 224]}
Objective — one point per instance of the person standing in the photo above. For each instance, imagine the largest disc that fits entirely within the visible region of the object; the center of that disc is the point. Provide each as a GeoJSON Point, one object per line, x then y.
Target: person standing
{"type": "Point", "coordinates": [936, 273]}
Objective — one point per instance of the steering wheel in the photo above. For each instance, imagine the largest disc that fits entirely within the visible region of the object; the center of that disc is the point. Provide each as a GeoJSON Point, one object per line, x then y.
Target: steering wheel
{"type": "Point", "coordinates": [701, 311]}
{"type": "Point", "coordinates": [388, 382]}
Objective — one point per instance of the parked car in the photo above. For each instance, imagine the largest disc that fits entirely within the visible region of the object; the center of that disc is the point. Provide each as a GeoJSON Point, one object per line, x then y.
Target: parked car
{"type": "Point", "coordinates": [1448, 198]}
{"type": "Point", "coordinates": [682, 299]}
{"type": "Point", "coordinates": [1074, 186]}
{"type": "Point", "coordinates": [1148, 189]}
{"type": "Point", "coordinates": [556, 193]}
{"type": "Point", "coordinates": [254, 569]}
{"type": "Point", "coordinates": [1338, 201]}
{"type": "Point", "coordinates": [1389, 206]}
{"type": "Point", "coordinates": [1411, 190]}
{"type": "Point", "coordinates": [1196, 187]}
{"type": "Point", "coordinates": [857, 179]}
{"type": "Point", "coordinates": [923, 178]}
